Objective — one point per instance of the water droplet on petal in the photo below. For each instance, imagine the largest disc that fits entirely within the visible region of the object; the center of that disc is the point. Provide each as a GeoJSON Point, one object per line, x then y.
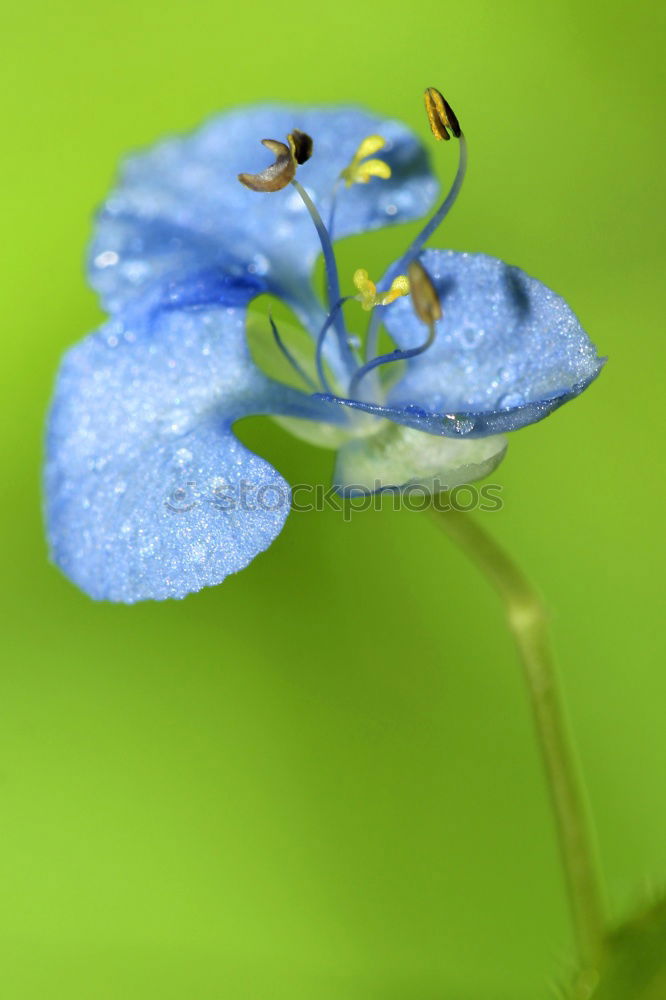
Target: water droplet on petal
{"type": "Point", "coordinates": [106, 259]}
{"type": "Point", "coordinates": [470, 336]}
{"type": "Point", "coordinates": [135, 271]}
{"type": "Point", "coordinates": [183, 456]}
{"type": "Point", "coordinates": [508, 400]}
{"type": "Point", "coordinates": [463, 425]}
{"type": "Point", "coordinates": [177, 421]}
{"type": "Point", "coordinates": [259, 264]}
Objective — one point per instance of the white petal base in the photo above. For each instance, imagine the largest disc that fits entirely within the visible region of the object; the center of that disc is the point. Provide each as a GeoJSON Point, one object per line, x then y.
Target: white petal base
{"type": "Point", "coordinates": [397, 457]}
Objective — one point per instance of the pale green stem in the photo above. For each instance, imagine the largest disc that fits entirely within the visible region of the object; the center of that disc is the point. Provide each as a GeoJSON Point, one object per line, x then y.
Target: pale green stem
{"type": "Point", "coordinates": [527, 620]}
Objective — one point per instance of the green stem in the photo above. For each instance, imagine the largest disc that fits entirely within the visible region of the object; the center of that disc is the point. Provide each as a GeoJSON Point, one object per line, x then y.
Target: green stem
{"type": "Point", "coordinates": [527, 620]}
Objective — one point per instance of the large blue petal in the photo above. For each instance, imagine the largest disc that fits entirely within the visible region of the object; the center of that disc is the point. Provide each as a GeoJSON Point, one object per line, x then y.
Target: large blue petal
{"type": "Point", "coordinates": [179, 208]}
{"type": "Point", "coordinates": [474, 424]}
{"type": "Point", "coordinates": [144, 477]}
{"type": "Point", "coordinates": [508, 350]}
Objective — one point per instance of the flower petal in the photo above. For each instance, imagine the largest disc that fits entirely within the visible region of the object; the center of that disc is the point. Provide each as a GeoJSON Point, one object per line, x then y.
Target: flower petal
{"type": "Point", "coordinates": [508, 350]}
{"type": "Point", "coordinates": [397, 457]}
{"type": "Point", "coordinates": [144, 477]}
{"type": "Point", "coordinates": [179, 208]}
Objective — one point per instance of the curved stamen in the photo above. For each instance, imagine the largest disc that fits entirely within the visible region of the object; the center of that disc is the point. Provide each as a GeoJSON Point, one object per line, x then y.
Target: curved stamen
{"type": "Point", "coordinates": [385, 359]}
{"type": "Point", "coordinates": [290, 357]}
{"type": "Point", "coordinates": [331, 276]}
{"type": "Point", "coordinates": [414, 249]}
{"type": "Point", "coordinates": [319, 357]}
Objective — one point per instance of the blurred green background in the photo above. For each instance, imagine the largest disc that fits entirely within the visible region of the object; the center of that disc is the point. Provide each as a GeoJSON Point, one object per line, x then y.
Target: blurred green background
{"type": "Point", "coordinates": [320, 779]}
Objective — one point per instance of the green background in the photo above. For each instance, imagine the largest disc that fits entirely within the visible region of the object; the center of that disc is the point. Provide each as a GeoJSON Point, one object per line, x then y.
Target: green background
{"type": "Point", "coordinates": [320, 779]}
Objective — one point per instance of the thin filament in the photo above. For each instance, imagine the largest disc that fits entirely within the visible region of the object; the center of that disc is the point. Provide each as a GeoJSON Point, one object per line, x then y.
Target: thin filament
{"type": "Point", "coordinates": [385, 359]}
{"type": "Point", "coordinates": [333, 280]}
{"type": "Point", "coordinates": [414, 249]}
{"type": "Point", "coordinates": [319, 357]}
{"type": "Point", "coordinates": [290, 357]}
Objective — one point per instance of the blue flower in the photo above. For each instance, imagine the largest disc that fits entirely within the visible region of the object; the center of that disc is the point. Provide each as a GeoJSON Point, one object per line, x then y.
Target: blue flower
{"type": "Point", "coordinates": [149, 494]}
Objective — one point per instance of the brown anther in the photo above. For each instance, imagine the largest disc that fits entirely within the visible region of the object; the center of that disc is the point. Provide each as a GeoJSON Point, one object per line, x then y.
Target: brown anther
{"type": "Point", "coordinates": [440, 115]}
{"type": "Point", "coordinates": [423, 294]}
{"type": "Point", "coordinates": [301, 145]}
{"type": "Point", "coordinates": [278, 174]}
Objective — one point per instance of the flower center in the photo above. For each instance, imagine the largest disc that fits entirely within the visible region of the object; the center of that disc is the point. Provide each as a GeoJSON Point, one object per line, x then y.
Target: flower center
{"type": "Point", "coordinates": [361, 169]}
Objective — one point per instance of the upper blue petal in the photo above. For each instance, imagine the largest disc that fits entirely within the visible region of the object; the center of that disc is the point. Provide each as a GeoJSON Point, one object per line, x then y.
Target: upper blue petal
{"type": "Point", "coordinates": [507, 351]}
{"type": "Point", "coordinates": [144, 477]}
{"type": "Point", "coordinates": [179, 208]}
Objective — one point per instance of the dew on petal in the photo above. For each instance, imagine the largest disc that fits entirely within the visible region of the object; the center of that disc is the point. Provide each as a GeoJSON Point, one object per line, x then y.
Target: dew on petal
{"type": "Point", "coordinates": [183, 456]}
{"type": "Point", "coordinates": [463, 425]}
{"type": "Point", "coordinates": [508, 400]}
{"type": "Point", "coordinates": [259, 264]}
{"type": "Point", "coordinates": [136, 271]}
{"type": "Point", "coordinates": [107, 258]}
{"type": "Point", "coordinates": [470, 336]}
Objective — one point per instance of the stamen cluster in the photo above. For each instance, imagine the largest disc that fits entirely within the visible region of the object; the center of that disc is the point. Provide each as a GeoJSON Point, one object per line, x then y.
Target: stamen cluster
{"type": "Point", "coordinates": [362, 168]}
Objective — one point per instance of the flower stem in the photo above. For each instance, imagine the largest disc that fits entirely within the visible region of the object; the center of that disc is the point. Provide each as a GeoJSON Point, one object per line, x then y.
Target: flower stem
{"type": "Point", "coordinates": [527, 620]}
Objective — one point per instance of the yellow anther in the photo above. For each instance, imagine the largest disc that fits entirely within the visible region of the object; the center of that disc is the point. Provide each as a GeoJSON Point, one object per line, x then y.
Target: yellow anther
{"type": "Point", "coordinates": [360, 168]}
{"type": "Point", "coordinates": [367, 289]}
{"type": "Point", "coordinates": [369, 146]}
{"type": "Point", "coordinates": [368, 169]}
{"type": "Point", "coordinates": [399, 286]}
{"type": "Point", "coordinates": [440, 115]}
{"type": "Point", "coordinates": [368, 295]}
